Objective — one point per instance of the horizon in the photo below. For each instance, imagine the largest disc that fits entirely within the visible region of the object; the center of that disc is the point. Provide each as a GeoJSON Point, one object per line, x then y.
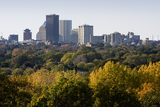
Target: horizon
{"type": "Point", "coordinates": [106, 16]}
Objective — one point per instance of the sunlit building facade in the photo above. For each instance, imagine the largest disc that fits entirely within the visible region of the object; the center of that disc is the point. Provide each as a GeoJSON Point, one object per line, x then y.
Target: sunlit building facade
{"type": "Point", "coordinates": [65, 27]}
{"type": "Point", "coordinates": [84, 34]}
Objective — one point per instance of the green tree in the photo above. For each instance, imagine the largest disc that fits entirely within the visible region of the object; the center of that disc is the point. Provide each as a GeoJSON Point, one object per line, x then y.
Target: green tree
{"type": "Point", "coordinates": [7, 92]}
{"type": "Point", "coordinates": [144, 59]}
{"type": "Point", "coordinates": [151, 58]}
{"type": "Point", "coordinates": [4, 64]}
{"type": "Point", "coordinates": [151, 99]}
{"type": "Point", "coordinates": [20, 59]}
{"type": "Point", "coordinates": [78, 59]}
{"type": "Point", "coordinates": [11, 96]}
{"type": "Point", "coordinates": [89, 66]}
{"type": "Point", "coordinates": [85, 50]}
{"type": "Point", "coordinates": [66, 92]}
{"type": "Point", "coordinates": [93, 55]}
{"type": "Point", "coordinates": [8, 55]}
{"type": "Point", "coordinates": [59, 67]}
{"type": "Point", "coordinates": [17, 72]}
{"type": "Point", "coordinates": [67, 60]}
{"type": "Point", "coordinates": [7, 71]}
{"type": "Point", "coordinates": [28, 71]}
{"type": "Point", "coordinates": [82, 66]}
{"type": "Point", "coordinates": [133, 60]}
{"type": "Point", "coordinates": [36, 67]}
{"type": "Point", "coordinates": [35, 59]}
{"type": "Point", "coordinates": [99, 44]}
{"type": "Point", "coordinates": [58, 56]}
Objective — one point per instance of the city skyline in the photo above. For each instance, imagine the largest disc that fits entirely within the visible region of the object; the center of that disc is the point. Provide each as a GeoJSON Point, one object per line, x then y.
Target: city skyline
{"type": "Point", "coordinates": [141, 17]}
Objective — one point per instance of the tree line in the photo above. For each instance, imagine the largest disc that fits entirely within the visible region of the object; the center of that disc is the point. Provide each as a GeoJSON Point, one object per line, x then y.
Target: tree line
{"type": "Point", "coordinates": [119, 76]}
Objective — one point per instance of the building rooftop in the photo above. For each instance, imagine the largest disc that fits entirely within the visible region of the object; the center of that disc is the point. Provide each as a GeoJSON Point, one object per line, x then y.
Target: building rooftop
{"type": "Point", "coordinates": [27, 30]}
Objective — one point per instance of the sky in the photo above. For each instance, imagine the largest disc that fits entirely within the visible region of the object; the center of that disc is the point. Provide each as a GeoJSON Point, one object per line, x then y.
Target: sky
{"type": "Point", "coordinates": [107, 16]}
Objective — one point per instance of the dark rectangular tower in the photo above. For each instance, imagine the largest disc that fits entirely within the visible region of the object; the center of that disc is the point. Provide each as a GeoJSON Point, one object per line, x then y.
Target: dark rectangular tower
{"type": "Point", "coordinates": [27, 34]}
{"type": "Point", "coordinates": [52, 27]}
{"type": "Point", "coordinates": [13, 37]}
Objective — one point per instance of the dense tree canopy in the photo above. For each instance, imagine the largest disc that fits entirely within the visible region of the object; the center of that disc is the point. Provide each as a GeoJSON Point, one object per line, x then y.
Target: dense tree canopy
{"type": "Point", "coordinates": [100, 76]}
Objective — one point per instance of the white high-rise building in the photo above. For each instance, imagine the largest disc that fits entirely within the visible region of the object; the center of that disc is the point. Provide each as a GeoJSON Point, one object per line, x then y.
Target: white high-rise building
{"type": "Point", "coordinates": [65, 27]}
{"type": "Point", "coordinates": [84, 34]}
{"type": "Point", "coordinates": [42, 32]}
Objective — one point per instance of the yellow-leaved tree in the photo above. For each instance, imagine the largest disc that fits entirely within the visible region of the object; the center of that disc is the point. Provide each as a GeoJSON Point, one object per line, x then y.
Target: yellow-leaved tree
{"type": "Point", "coordinates": [42, 77]}
{"type": "Point", "coordinates": [150, 83]}
{"type": "Point", "coordinates": [16, 51]}
{"type": "Point", "coordinates": [110, 84]}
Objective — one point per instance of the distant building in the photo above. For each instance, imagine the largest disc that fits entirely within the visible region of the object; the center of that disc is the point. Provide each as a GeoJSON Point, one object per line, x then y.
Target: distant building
{"type": "Point", "coordinates": [30, 42]}
{"type": "Point", "coordinates": [40, 43]}
{"type": "Point", "coordinates": [90, 44]}
{"type": "Point", "coordinates": [95, 39]}
{"type": "Point", "coordinates": [65, 27]}
{"type": "Point", "coordinates": [84, 34]}
{"type": "Point", "coordinates": [115, 38]}
{"type": "Point", "coordinates": [107, 39]}
{"type": "Point", "coordinates": [42, 32]}
{"type": "Point", "coordinates": [49, 42]}
{"type": "Point", "coordinates": [52, 27]}
{"type": "Point", "coordinates": [74, 36]}
{"type": "Point", "coordinates": [131, 39]}
{"type": "Point", "coordinates": [13, 37]}
{"type": "Point", "coordinates": [147, 41]}
{"type": "Point", "coordinates": [27, 34]}
{"type": "Point", "coordinates": [37, 36]}
{"type": "Point", "coordinates": [2, 40]}
{"type": "Point", "coordinates": [60, 38]}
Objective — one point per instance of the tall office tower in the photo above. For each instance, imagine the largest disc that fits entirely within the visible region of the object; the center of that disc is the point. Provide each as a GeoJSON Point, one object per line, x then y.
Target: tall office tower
{"type": "Point", "coordinates": [74, 36]}
{"type": "Point", "coordinates": [52, 27]}
{"type": "Point", "coordinates": [13, 37]}
{"type": "Point", "coordinates": [116, 39]}
{"type": "Point", "coordinates": [65, 27]}
{"type": "Point", "coordinates": [42, 32]}
{"type": "Point", "coordinates": [107, 39]}
{"type": "Point", "coordinates": [84, 34]}
{"type": "Point", "coordinates": [27, 34]}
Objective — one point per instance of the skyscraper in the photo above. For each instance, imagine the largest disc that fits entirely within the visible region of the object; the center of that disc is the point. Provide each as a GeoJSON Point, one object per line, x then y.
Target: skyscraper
{"type": "Point", "coordinates": [13, 37]}
{"type": "Point", "coordinates": [52, 27]}
{"type": "Point", "coordinates": [84, 34]}
{"type": "Point", "coordinates": [42, 32]}
{"type": "Point", "coordinates": [65, 27]}
{"type": "Point", "coordinates": [27, 34]}
{"type": "Point", "coordinates": [115, 38]}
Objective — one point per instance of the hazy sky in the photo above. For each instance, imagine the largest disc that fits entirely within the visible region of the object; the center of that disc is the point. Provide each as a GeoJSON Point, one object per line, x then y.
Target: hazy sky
{"type": "Point", "coordinates": [107, 16]}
